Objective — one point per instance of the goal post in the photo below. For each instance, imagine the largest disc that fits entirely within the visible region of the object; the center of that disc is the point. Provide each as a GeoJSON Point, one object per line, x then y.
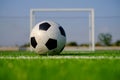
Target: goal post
{"type": "Point", "coordinates": [91, 20]}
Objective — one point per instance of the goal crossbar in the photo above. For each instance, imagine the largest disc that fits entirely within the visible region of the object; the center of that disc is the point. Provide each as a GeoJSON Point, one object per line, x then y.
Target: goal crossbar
{"type": "Point", "coordinates": [91, 20]}
{"type": "Point", "coordinates": [63, 9]}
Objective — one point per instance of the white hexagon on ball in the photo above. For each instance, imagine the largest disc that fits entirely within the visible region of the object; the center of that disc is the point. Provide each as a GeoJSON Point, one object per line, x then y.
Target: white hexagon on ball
{"type": "Point", "coordinates": [47, 37]}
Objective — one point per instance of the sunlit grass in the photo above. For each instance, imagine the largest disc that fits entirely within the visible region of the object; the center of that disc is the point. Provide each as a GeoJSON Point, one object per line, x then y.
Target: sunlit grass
{"type": "Point", "coordinates": [60, 69]}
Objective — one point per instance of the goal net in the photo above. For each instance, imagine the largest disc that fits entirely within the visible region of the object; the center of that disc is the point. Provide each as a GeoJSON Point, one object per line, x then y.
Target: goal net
{"type": "Point", "coordinates": [77, 22]}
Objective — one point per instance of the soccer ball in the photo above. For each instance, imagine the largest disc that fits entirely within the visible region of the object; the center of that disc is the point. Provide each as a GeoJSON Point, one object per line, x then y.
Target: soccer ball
{"type": "Point", "coordinates": [47, 37]}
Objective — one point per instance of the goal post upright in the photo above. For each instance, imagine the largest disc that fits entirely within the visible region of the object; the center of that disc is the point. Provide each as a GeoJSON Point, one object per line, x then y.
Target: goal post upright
{"type": "Point", "coordinates": [93, 30]}
{"type": "Point", "coordinates": [32, 19]}
{"type": "Point", "coordinates": [91, 20]}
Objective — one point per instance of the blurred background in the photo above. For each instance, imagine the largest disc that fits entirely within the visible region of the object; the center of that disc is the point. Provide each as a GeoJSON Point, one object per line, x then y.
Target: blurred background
{"type": "Point", "coordinates": [15, 21]}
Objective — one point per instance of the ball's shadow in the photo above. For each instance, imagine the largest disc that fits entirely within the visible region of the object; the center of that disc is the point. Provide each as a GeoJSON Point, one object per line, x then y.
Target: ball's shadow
{"type": "Point", "coordinates": [68, 54]}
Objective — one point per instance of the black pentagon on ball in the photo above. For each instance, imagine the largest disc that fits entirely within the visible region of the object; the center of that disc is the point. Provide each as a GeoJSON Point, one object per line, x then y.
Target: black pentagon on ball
{"type": "Point", "coordinates": [33, 42]}
{"type": "Point", "coordinates": [62, 31]}
{"type": "Point", "coordinates": [44, 26]}
{"type": "Point", "coordinates": [51, 44]}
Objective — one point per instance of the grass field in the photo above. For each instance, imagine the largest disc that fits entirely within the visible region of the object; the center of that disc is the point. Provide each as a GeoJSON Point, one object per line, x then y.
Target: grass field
{"type": "Point", "coordinates": [37, 67]}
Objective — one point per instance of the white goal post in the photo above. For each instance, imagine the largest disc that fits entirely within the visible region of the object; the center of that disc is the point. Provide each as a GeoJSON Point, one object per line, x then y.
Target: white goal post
{"type": "Point", "coordinates": [91, 20]}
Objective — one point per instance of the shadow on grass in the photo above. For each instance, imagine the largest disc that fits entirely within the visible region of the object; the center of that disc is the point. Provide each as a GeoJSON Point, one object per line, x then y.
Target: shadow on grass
{"type": "Point", "coordinates": [76, 54]}
{"type": "Point", "coordinates": [70, 54]}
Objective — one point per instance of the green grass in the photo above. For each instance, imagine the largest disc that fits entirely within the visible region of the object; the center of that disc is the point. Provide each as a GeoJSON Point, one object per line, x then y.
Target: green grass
{"type": "Point", "coordinates": [60, 69]}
